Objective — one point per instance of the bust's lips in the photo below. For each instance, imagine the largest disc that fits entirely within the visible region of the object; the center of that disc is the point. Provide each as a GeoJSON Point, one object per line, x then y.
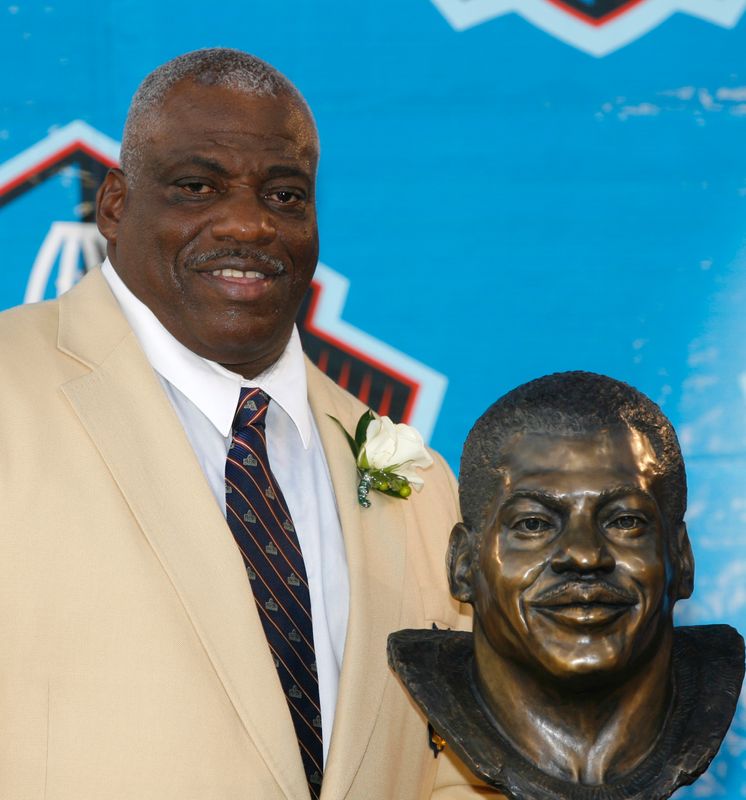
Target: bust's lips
{"type": "Point", "coordinates": [584, 604]}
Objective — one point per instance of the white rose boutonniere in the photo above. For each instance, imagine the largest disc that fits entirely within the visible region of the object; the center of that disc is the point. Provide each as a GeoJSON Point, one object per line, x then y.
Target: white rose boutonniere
{"type": "Point", "coordinates": [387, 456]}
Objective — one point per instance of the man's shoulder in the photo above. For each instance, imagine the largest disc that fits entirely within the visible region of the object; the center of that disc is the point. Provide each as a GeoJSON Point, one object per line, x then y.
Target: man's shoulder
{"type": "Point", "coordinates": [22, 326]}
{"type": "Point", "coordinates": [41, 321]}
{"type": "Point", "coordinates": [30, 366]}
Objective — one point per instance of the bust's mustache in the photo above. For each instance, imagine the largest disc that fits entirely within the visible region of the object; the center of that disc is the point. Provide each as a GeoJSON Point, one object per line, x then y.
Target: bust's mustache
{"type": "Point", "coordinates": [584, 592]}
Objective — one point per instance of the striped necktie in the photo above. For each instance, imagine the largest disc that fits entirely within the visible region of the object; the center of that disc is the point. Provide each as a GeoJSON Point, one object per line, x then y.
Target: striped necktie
{"type": "Point", "coordinates": [260, 521]}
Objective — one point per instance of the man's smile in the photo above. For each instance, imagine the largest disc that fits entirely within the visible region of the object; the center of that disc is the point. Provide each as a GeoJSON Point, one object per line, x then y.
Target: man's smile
{"type": "Point", "coordinates": [241, 274]}
{"type": "Point", "coordinates": [247, 284]}
{"type": "Point", "coordinates": [237, 273]}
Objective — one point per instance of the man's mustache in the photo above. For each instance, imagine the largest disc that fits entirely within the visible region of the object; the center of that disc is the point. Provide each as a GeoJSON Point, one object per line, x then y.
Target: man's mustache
{"type": "Point", "coordinates": [577, 592]}
{"type": "Point", "coordinates": [251, 255]}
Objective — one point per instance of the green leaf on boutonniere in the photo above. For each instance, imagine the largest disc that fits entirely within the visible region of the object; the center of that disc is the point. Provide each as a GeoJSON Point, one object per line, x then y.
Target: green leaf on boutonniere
{"type": "Point", "coordinates": [355, 449]}
{"type": "Point", "coordinates": [362, 428]}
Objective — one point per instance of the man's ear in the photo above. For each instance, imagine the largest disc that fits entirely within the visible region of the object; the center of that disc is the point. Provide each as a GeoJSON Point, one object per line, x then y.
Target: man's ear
{"type": "Point", "coordinates": [683, 563]}
{"type": "Point", "coordinates": [110, 201]}
{"type": "Point", "coordinates": [459, 563]}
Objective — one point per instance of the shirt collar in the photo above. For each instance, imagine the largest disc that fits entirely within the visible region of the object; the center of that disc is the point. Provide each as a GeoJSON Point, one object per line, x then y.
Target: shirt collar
{"type": "Point", "coordinates": [210, 386]}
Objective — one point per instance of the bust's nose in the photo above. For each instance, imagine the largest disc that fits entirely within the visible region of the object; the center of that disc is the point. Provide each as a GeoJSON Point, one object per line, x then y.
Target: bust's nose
{"type": "Point", "coordinates": [582, 548]}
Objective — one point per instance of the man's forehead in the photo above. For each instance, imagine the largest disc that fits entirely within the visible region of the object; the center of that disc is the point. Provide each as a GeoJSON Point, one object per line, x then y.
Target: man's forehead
{"type": "Point", "coordinates": [222, 106]}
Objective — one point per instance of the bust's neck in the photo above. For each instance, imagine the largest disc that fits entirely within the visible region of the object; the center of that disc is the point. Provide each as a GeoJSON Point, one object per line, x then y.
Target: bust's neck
{"type": "Point", "coordinates": [589, 737]}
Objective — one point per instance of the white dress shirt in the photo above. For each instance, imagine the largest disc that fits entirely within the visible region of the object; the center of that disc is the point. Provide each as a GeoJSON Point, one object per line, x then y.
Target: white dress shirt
{"type": "Point", "coordinates": [205, 395]}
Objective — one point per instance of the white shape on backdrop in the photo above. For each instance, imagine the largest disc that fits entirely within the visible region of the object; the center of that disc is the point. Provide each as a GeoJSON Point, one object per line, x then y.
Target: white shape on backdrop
{"type": "Point", "coordinates": [598, 39]}
{"type": "Point", "coordinates": [59, 141]}
{"type": "Point", "coordinates": [64, 243]}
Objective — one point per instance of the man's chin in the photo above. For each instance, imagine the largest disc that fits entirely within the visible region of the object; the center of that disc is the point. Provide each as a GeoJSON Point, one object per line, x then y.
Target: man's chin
{"type": "Point", "coordinates": [239, 347]}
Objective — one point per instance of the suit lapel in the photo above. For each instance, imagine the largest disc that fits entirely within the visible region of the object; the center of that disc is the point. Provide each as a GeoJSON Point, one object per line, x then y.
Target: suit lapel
{"type": "Point", "coordinates": [125, 411]}
{"type": "Point", "coordinates": [375, 543]}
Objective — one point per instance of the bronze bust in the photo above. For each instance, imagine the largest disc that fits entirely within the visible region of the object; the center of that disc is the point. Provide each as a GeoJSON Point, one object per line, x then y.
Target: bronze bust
{"type": "Point", "coordinates": [573, 551]}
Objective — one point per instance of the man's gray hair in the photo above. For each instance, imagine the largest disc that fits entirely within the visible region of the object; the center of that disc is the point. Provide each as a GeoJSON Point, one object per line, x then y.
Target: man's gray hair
{"type": "Point", "coordinates": [215, 66]}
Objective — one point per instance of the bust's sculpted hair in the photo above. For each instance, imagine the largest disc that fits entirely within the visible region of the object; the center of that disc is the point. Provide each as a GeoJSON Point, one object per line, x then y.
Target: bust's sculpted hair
{"type": "Point", "coordinates": [566, 403]}
{"type": "Point", "coordinates": [216, 66]}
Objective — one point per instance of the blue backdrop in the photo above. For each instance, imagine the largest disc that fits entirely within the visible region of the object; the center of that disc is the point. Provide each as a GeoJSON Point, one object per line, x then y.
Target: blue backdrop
{"type": "Point", "coordinates": [508, 195]}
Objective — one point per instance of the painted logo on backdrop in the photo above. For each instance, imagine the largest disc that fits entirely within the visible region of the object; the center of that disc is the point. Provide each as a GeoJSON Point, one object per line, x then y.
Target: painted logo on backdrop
{"type": "Point", "coordinates": [382, 377]}
{"type": "Point", "coordinates": [596, 26]}
{"type": "Point", "coordinates": [596, 10]}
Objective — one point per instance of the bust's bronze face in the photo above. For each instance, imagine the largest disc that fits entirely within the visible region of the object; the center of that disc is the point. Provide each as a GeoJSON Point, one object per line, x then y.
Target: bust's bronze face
{"type": "Point", "coordinates": [577, 569]}
{"type": "Point", "coordinates": [573, 550]}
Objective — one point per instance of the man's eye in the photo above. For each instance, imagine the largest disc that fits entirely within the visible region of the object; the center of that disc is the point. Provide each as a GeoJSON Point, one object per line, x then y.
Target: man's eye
{"type": "Point", "coordinates": [531, 525]}
{"type": "Point", "coordinates": [285, 197]}
{"type": "Point", "coordinates": [196, 187]}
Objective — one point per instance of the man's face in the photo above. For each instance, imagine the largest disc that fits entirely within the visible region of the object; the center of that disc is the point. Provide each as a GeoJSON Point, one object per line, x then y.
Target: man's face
{"type": "Point", "coordinates": [574, 576]}
{"type": "Point", "coordinates": [216, 232]}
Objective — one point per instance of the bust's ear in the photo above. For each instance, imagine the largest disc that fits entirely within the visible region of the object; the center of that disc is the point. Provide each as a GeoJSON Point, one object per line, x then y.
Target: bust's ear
{"type": "Point", "coordinates": [459, 562]}
{"type": "Point", "coordinates": [683, 563]}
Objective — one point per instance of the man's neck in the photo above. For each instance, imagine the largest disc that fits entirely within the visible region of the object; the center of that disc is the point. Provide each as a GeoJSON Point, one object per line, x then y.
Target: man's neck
{"type": "Point", "coordinates": [589, 737]}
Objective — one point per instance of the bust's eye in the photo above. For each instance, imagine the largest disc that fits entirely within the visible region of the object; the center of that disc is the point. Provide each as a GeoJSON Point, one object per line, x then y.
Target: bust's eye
{"type": "Point", "coordinates": [531, 525]}
{"type": "Point", "coordinates": [630, 524]}
{"type": "Point", "coordinates": [627, 521]}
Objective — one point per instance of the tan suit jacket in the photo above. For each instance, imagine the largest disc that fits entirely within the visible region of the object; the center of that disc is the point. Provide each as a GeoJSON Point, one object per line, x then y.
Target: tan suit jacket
{"type": "Point", "coordinates": [132, 660]}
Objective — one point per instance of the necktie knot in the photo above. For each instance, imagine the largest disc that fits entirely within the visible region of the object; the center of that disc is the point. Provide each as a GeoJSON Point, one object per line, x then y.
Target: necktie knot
{"type": "Point", "coordinates": [251, 409]}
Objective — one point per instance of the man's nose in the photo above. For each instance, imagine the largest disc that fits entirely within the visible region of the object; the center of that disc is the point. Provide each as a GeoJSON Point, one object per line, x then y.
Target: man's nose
{"type": "Point", "coordinates": [241, 216]}
{"type": "Point", "coordinates": [582, 548]}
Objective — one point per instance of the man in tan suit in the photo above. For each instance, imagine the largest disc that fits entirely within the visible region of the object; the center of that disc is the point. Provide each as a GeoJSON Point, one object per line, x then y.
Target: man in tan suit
{"type": "Point", "coordinates": [134, 664]}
